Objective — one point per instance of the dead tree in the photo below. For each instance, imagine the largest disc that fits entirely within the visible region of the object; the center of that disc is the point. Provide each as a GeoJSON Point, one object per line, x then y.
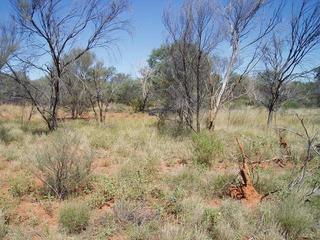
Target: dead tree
{"type": "Point", "coordinates": [312, 150]}
{"type": "Point", "coordinates": [51, 28]}
{"type": "Point", "coordinates": [246, 189]}
{"type": "Point", "coordinates": [284, 54]}
{"type": "Point", "coordinates": [146, 82]}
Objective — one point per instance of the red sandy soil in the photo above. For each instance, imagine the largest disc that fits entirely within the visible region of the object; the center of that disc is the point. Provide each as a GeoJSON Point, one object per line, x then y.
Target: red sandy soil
{"type": "Point", "coordinates": [215, 203]}
{"type": "Point", "coordinates": [28, 210]}
{"type": "Point", "coordinates": [177, 165]}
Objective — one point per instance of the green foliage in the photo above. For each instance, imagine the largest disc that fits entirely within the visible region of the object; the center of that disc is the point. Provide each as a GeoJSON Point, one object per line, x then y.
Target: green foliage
{"type": "Point", "coordinates": [137, 104]}
{"type": "Point", "coordinates": [207, 148]}
{"type": "Point", "coordinates": [74, 217]}
{"type": "Point", "coordinates": [103, 191]}
{"type": "Point", "coordinates": [20, 185]}
{"type": "Point", "coordinates": [210, 218]}
{"type": "Point", "coordinates": [64, 161]}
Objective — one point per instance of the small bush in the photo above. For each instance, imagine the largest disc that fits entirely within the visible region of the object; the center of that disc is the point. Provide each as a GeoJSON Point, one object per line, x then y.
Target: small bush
{"type": "Point", "coordinates": [20, 185]}
{"type": "Point", "coordinates": [133, 180]}
{"type": "Point", "coordinates": [180, 232]}
{"type": "Point", "coordinates": [3, 225]}
{"type": "Point", "coordinates": [206, 148]}
{"type": "Point", "coordinates": [10, 133]}
{"type": "Point", "coordinates": [11, 152]}
{"type": "Point", "coordinates": [293, 217]}
{"type": "Point", "coordinates": [268, 182]}
{"type": "Point", "coordinates": [100, 136]}
{"type": "Point", "coordinates": [189, 180]}
{"type": "Point", "coordinates": [220, 184]}
{"type": "Point", "coordinates": [146, 231]}
{"type": "Point", "coordinates": [104, 191]}
{"type": "Point", "coordinates": [233, 222]}
{"type": "Point", "coordinates": [8, 205]}
{"type": "Point", "coordinates": [74, 217]}
{"type": "Point", "coordinates": [173, 202]}
{"type": "Point", "coordinates": [210, 218]}
{"type": "Point", "coordinates": [133, 212]}
{"type": "Point", "coordinates": [64, 161]}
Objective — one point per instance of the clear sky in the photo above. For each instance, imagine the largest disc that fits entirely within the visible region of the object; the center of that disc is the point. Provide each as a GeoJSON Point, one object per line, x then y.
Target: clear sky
{"type": "Point", "coordinates": [148, 33]}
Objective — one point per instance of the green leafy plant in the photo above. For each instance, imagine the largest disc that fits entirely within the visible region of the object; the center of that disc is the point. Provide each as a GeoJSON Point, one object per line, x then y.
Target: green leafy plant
{"type": "Point", "coordinates": [20, 185]}
{"type": "Point", "coordinates": [207, 148]}
{"type": "Point", "coordinates": [74, 217]}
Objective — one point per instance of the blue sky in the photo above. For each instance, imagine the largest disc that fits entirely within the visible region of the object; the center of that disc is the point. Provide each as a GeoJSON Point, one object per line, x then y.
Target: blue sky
{"type": "Point", "coordinates": [148, 33]}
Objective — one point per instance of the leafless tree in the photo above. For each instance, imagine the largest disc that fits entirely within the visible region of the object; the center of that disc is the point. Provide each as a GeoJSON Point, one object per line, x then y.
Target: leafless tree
{"type": "Point", "coordinates": [246, 25]}
{"type": "Point", "coordinates": [312, 150]}
{"type": "Point", "coordinates": [52, 28]}
{"type": "Point", "coordinates": [284, 55]}
{"type": "Point", "coordinates": [192, 38]}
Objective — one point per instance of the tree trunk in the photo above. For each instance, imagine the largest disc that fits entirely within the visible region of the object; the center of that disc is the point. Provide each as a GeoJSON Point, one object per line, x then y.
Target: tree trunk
{"type": "Point", "coordinates": [53, 123]}
{"type": "Point", "coordinates": [270, 116]}
{"type": "Point", "coordinates": [73, 112]}
{"type": "Point", "coordinates": [225, 80]}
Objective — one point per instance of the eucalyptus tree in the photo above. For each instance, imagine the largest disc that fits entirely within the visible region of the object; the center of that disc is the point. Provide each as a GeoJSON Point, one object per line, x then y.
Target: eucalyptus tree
{"type": "Point", "coordinates": [245, 25]}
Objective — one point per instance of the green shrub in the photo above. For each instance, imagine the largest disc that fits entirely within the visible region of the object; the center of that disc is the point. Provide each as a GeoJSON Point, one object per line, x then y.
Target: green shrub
{"type": "Point", "coordinates": [64, 161]}
{"type": "Point", "coordinates": [20, 185]}
{"type": "Point", "coordinates": [207, 148]}
{"type": "Point", "coordinates": [10, 133]}
{"type": "Point", "coordinates": [74, 217]}
{"type": "Point", "coordinates": [210, 218]}
{"type": "Point", "coordinates": [104, 191]}
{"type": "Point", "coordinates": [268, 182]}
